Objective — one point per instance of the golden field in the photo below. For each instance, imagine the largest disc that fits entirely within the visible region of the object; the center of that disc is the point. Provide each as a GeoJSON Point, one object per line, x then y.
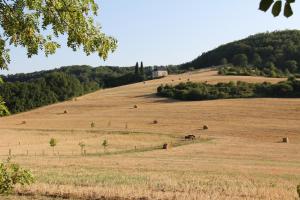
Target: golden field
{"type": "Point", "coordinates": [240, 156]}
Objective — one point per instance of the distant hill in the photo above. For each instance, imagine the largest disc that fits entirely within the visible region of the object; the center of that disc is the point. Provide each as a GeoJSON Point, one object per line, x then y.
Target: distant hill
{"type": "Point", "coordinates": [276, 50]}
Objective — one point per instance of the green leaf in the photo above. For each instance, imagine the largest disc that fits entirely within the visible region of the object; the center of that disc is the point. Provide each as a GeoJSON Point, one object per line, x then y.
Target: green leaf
{"type": "Point", "coordinates": [265, 4]}
{"type": "Point", "coordinates": [288, 10]}
{"type": "Point", "coordinates": [290, 1]}
{"type": "Point", "coordinates": [277, 8]}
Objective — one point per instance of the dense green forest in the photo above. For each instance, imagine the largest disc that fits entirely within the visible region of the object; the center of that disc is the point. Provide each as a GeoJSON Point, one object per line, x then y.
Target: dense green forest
{"type": "Point", "coordinates": [272, 54]}
{"type": "Point", "coordinates": [202, 91]}
{"type": "Point", "coordinates": [23, 92]}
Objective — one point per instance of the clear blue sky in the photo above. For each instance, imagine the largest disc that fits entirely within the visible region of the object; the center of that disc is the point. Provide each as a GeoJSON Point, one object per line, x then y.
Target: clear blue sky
{"type": "Point", "coordinates": [161, 32]}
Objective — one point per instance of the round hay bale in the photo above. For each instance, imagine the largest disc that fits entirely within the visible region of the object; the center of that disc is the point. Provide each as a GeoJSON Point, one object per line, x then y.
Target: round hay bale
{"type": "Point", "coordinates": [65, 112]}
{"type": "Point", "coordinates": [285, 140]}
{"type": "Point", "coordinates": [205, 127]}
{"type": "Point", "coordinates": [135, 106]}
{"type": "Point", "coordinates": [165, 146]}
{"type": "Point", "coordinates": [155, 122]}
{"type": "Point", "coordinates": [23, 122]}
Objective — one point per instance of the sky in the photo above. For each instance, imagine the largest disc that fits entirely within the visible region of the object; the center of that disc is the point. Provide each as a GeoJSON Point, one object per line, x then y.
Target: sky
{"type": "Point", "coordinates": [162, 32]}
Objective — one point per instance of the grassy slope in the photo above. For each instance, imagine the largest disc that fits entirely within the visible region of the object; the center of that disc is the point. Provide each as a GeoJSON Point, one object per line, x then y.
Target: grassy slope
{"type": "Point", "coordinates": [244, 159]}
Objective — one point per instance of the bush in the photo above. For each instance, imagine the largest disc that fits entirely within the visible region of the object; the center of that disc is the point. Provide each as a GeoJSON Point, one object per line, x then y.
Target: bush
{"type": "Point", "coordinates": [12, 174]}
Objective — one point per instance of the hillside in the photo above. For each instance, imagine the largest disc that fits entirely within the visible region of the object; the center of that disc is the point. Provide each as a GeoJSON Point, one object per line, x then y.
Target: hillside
{"type": "Point", "coordinates": [239, 156]}
{"type": "Point", "coordinates": [280, 50]}
{"type": "Point", "coordinates": [23, 92]}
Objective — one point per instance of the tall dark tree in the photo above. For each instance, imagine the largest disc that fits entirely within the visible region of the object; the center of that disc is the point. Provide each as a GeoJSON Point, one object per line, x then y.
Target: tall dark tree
{"type": "Point", "coordinates": [142, 72]}
{"type": "Point", "coordinates": [136, 69]}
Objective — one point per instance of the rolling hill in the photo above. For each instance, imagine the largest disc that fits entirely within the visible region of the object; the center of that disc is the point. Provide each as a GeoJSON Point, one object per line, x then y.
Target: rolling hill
{"type": "Point", "coordinates": [239, 156]}
{"type": "Point", "coordinates": [280, 50]}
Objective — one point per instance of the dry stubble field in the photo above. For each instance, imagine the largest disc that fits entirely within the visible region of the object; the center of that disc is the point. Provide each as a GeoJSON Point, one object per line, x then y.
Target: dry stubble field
{"type": "Point", "coordinates": [240, 156]}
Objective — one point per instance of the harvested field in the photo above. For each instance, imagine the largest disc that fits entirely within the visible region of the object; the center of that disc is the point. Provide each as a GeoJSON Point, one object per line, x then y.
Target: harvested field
{"type": "Point", "coordinates": [240, 156]}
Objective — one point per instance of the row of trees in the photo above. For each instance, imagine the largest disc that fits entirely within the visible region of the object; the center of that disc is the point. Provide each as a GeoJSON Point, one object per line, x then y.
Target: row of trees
{"type": "Point", "coordinates": [139, 71]}
{"type": "Point", "coordinates": [270, 71]}
{"type": "Point", "coordinates": [23, 92]}
{"type": "Point", "coordinates": [202, 91]}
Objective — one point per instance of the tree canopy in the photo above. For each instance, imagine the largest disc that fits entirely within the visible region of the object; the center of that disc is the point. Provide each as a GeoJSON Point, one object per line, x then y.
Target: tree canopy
{"type": "Point", "coordinates": [37, 24]}
{"type": "Point", "coordinates": [280, 50]}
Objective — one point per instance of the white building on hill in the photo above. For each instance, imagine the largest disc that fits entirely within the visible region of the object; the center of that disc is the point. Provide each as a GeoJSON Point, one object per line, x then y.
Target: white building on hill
{"type": "Point", "coordinates": [159, 72]}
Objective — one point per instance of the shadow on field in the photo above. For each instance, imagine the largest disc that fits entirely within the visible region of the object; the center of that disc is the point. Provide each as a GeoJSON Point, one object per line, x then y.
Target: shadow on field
{"type": "Point", "coordinates": [157, 99]}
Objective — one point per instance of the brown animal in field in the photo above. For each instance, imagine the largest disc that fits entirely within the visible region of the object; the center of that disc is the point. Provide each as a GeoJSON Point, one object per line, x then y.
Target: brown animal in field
{"type": "Point", "coordinates": [165, 146]}
{"type": "Point", "coordinates": [190, 137]}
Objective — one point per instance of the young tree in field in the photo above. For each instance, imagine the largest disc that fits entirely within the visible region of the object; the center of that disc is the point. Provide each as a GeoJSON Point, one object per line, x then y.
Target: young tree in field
{"type": "Point", "coordinates": [105, 144]}
{"type": "Point", "coordinates": [82, 146]}
{"type": "Point", "coordinates": [277, 6]}
{"type": "Point", "coordinates": [36, 25]}
{"type": "Point", "coordinates": [53, 143]}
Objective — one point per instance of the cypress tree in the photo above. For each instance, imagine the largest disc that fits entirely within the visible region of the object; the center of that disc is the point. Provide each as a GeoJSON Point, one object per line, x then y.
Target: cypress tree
{"type": "Point", "coordinates": [142, 73]}
{"type": "Point", "coordinates": [136, 69]}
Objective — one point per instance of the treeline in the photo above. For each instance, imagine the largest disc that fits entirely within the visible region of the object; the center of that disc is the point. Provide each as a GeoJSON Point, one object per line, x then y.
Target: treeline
{"type": "Point", "coordinates": [254, 71]}
{"type": "Point", "coordinates": [278, 50]}
{"type": "Point", "coordinates": [22, 92]}
{"type": "Point", "coordinates": [203, 91]}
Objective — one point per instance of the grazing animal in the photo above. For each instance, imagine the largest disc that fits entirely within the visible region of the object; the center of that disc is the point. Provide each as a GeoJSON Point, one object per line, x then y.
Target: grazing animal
{"type": "Point", "coordinates": [165, 146]}
{"type": "Point", "coordinates": [190, 137]}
